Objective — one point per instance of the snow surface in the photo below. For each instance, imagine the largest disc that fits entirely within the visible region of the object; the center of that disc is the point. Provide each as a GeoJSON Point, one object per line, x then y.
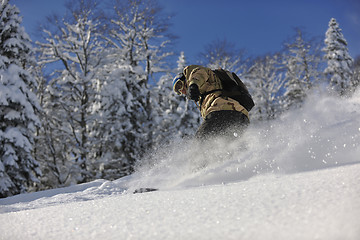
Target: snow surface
{"type": "Point", "coordinates": [294, 178]}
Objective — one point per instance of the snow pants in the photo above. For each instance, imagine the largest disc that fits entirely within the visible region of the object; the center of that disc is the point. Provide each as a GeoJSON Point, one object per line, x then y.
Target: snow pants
{"type": "Point", "coordinates": [224, 124]}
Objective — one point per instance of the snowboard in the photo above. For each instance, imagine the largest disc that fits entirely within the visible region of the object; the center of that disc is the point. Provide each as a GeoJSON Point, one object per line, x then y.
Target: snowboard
{"type": "Point", "coordinates": [144, 190]}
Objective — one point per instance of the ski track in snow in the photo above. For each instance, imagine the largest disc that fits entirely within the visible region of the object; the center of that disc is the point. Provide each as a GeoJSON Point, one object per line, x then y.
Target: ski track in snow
{"type": "Point", "coordinates": [293, 178]}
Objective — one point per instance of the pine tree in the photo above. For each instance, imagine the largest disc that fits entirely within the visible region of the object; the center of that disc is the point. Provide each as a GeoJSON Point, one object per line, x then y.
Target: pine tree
{"type": "Point", "coordinates": [301, 62]}
{"type": "Point", "coordinates": [190, 117]}
{"type": "Point", "coordinates": [181, 63]}
{"type": "Point", "coordinates": [123, 120]}
{"type": "Point", "coordinates": [356, 76]}
{"type": "Point", "coordinates": [179, 116]}
{"type": "Point", "coordinates": [339, 62]}
{"type": "Point", "coordinates": [18, 106]}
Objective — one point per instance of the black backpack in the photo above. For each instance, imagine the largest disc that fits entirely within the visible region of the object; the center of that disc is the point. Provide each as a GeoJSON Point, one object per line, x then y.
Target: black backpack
{"type": "Point", "coordinates": [234, 88]}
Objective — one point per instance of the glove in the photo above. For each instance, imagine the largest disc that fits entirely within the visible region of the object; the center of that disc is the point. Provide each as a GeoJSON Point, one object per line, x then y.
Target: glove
{"type": "Point", "coordinates": [194, 93]}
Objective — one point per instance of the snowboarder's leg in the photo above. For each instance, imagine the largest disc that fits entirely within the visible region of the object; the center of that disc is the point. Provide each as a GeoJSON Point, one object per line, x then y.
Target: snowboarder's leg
{"type": "Point", "coordinates": [226, 124]}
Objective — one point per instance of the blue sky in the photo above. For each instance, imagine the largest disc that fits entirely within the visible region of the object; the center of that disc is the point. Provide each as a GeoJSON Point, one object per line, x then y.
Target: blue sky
{"type": "Point", "coordinates": [259, 26]}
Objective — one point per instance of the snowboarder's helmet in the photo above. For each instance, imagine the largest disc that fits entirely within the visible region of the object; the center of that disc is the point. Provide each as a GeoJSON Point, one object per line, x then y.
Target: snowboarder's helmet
{"type": "Point", "coordinates": [179, 83]}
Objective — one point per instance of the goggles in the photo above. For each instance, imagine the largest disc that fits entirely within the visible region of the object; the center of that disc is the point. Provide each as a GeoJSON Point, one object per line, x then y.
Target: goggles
{"type": "Point", "coordinates": [179, 83]}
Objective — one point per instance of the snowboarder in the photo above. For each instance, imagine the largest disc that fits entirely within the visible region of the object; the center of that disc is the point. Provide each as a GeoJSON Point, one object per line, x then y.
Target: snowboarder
{"type": "Point", "coordinates": [223, 116]}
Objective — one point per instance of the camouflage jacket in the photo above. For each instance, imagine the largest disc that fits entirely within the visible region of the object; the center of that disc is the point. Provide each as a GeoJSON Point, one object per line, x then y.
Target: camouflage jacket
{"type": "Point", "coordinates": [207, 82]}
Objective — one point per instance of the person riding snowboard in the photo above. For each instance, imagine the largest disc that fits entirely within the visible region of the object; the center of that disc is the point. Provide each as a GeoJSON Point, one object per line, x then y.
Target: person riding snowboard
{"type": "Point", "coordinates": [223, 115]}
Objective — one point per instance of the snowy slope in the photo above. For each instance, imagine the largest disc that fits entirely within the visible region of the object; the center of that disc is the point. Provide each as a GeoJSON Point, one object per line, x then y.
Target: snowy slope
{"type": "Point", "coordinates": [295, 178]}
{"type": "Point", "coordinates": [313, 205]}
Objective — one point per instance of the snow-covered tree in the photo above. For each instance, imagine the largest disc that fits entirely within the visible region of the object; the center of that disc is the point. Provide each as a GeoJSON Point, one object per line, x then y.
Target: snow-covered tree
{"type": "Point", "coordinates": [339, 62]}
{"type": "Point", "coordinates": [123, 133]}
{"type": "Point", "coordinates": [301, 61]}
{"type": "Point", "coordinates": [141, 27]}
{"type": "Point", "coordinates": [356, 75]}
{"type": "Point", "coordinates": [50, 150]}
{"type": "Point", "coordinates": [265, 85]}
{"type": "Point", "coordinates": [185, 118]}
{"type": "Point", "coordinates": [181, 63]}
{"type": "Point", "coordinates": [18, 105]}
{"type": "Point", "coordinates": [128, 110]}
{"type": "Point", "coordinates": [189, 120]}
{"type": "Point", "coordinates": [179, 117]}
{"type": "Point", "coordinates": [73, 102]}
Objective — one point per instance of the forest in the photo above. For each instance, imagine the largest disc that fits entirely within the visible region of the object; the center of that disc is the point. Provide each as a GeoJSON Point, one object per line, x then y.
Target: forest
{"type": "Point", "coordinates": [94, 96]}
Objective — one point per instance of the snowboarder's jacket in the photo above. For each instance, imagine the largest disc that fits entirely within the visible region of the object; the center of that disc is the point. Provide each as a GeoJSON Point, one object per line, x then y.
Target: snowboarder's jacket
{"type": "Point", "coordinates": [211, 99]}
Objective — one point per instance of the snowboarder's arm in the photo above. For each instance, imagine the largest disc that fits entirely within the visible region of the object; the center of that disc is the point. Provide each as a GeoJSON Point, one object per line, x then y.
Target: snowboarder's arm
{"type": "Point", "coordinates": [199, 77]}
